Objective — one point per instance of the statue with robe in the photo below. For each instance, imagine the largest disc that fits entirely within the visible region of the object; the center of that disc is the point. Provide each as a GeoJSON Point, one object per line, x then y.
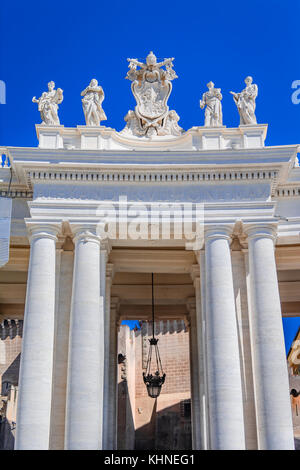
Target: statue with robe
{"type": "Point", "coordinates": [93, 96]}
{"type": "Point", "coordinates": [211, 101]}
{"type": "Point", "coordinates": [245, 102]}
{"type": "Point", "coordinates": [48, 105]}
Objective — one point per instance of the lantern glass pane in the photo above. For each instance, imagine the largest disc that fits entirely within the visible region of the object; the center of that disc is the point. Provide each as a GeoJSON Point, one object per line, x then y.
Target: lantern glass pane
{"type": "Point", "coordinates": [153, 390]}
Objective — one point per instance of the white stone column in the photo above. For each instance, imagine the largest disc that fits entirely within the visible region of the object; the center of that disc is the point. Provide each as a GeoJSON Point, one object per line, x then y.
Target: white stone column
{"type": "Point", "coordinates": [104, 253]}
{"type": "Point", "coordinates": [64, 271]}
{"type": "Point", "coordinates": [194, 369]}
{"type": "Point", "coordinates": [273, 409]}
{"type": "Point", "coordinates": [241, 301]}
{"type": "Point", "coordinates": [200, 291]}
{"type": "Point", "coordinates": [107, 444]}
{"type": "Point", "coordinates": [201, 347]}
{"type": "Point", "coordinates": [35, 378]}
{"type": "Point", "coordinates": [223, 362]}
{"type": "Point", "coordinates": [113, 376]}
{"type": "Point", "coordinates": [86, 351]}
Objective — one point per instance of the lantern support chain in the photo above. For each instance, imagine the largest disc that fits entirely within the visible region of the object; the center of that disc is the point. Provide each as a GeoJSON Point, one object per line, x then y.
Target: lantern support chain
{"type": "Point", "coordinates": [154, 382]}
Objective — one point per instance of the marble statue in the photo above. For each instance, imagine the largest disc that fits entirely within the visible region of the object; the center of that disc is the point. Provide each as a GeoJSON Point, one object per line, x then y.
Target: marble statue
{"type": "Point", "coordinates": [48, 105]}
{"type": "Point", "coordinates": [245, 102]}
{"type": "Point", "coordinates": [151, 87]}
{"type": "Point", "coordinates": [211, 101]}
{"type": "Point", "coordinates": [93, 96]}
{"type": "Point", "coordinates": [171, 125]}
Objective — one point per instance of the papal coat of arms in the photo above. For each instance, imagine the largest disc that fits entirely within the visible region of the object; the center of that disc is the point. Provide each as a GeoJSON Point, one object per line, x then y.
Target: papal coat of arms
{"type": "Point", "coordinates": [151, 87]}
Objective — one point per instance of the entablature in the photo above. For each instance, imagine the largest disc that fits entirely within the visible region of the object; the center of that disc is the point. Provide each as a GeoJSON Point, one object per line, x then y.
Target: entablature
{"type": "Point", "coordinates": [73, 167]}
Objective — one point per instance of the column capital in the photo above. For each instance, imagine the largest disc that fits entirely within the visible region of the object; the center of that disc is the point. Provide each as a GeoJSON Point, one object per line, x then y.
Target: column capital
{"type": "Point", "coordinates": [42, 230]}
{"type": "Point", "coordinates": [261, 230]}
{"type": "Point", "coordinates": [115, 303]}
{"type": "Point", "coordinates": [191, 308]}
{"type": "Point", "coordinates": [110, 271]}
{"type": "Point", "coordinates": [105, 246]}
{"type": "Point", "coordinates": [195, 272]}
{"type": "Point", "coordinates": [191, 305]}
{"type": "Point", "coordinates": [114, 310]}
{"type": "Point", "coordinates": [187, 321]}
{"type": "Point", "coordinates": [85, 233]}
{"type": "Point", "coordinates": [223, 231]}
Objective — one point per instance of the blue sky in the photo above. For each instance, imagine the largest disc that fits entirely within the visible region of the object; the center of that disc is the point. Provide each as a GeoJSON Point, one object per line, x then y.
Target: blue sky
{"type": "Point", "coordinates": [224, 41]}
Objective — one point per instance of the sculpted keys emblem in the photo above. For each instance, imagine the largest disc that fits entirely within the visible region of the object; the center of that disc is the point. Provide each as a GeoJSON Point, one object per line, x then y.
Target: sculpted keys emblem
{"type": "Point", "coordinates": [151, 87]}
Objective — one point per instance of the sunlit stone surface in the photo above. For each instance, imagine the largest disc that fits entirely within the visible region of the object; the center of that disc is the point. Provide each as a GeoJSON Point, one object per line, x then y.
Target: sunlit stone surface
{"type": "Point", "coordinates": [211, 211]}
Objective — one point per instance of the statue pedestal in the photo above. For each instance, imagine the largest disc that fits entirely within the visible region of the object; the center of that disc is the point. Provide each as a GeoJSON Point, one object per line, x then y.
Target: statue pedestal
{"type": "Point", "coordinates": [198, 138]}
{"type": "Point", "coordinates": [218, 138]}
{"type": "Point", "coordinates": [253, 136]}
{"type": "Point", "coordinates": [50, 137]}
{"type": "Point", "coordinates": [91, 138]}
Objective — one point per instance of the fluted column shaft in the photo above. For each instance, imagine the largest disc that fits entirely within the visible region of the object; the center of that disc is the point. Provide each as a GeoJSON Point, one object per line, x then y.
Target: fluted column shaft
{"type": "Point", "coordinates": [273, 409]}
{"type": "Point", "coordinates": [224, 374]}
{"type": "Point", "coordinates": [64, 273]}
{"type": "Point", "coordinates": [86, 351]}
{"type": "Point", "coordinates": [113, 375]}
{"type": "Point", "coordinates": [200, 296]}
{"type": "Point", "coordinates": [107, 434]}
{"type": "Point", "coordinates": [35, 378]}
{"type": "Point", "coordinates": [200, 291]}
{"type": "Point", "coordinates": [195, 370]}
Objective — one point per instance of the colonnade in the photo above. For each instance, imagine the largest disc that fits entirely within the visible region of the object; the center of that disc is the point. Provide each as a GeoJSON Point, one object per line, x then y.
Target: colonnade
{"type": "Point", "coordinates": [218, 410]}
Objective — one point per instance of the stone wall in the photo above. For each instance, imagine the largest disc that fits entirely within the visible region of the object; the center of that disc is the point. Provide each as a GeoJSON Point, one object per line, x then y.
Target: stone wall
{"type": "Point", "coordinates": [10, 351]}
{"type": "Point", "coordinates": [164, 423]}
{"type": "Point", "coordinates": [174, 352]}
{"type": "Point", "coordinates": [126, 389]}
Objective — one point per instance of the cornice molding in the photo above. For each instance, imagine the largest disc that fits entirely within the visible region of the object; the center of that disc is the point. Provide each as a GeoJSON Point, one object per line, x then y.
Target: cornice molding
{"type": "Point", "coordinates": [288, 191]}
{"type": "Point", "coordinates": [19, 194]}
{"type": "Point", "coordinates": [150, 155]}
{"type": "Point", "coordinates": [153, 176]}
{"type": "Point", "coordinates": [35, 165]}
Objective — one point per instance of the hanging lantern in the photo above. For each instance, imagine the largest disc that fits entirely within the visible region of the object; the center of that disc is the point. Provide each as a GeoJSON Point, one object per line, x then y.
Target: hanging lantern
{"type": "Point", "coordinates": [154, 381]}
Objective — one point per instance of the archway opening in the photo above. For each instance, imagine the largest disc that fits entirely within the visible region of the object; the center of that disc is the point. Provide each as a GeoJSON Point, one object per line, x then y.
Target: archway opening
{"type": "Point", "coordinates": [164, 423]}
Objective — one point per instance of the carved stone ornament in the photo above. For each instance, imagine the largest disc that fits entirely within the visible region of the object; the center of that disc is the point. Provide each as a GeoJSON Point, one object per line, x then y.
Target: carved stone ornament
{"type": "Point", "coordinates": [93, 95]}
{"type": "Point", "coordinates": [151, 87]}
{"type": "Point", "coordinates": [48, 105]}
{"type": "Point", "coordinates": [211, 101]}
{"type": "Point", "coordinates": [245, 102]}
